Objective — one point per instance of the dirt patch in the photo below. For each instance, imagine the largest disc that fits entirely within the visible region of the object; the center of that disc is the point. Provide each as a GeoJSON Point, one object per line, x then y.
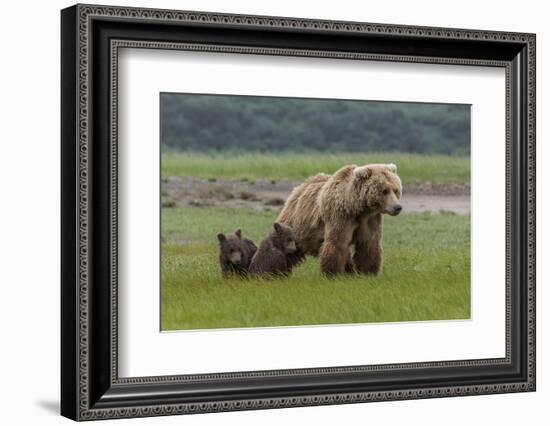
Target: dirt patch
{"type": "Point", "coordinates": [417, 203]}
{"type": "Point", "coordinates": [271, 195]}
{"type": "Point", "coordinates": [446, 189]}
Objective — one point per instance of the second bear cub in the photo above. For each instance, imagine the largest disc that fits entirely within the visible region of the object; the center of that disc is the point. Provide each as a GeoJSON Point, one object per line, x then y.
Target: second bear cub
{"type": "Point", "coordinates": [277, 254]}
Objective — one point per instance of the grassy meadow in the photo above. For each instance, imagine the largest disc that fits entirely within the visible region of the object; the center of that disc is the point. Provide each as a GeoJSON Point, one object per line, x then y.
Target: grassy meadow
{"type": "Point", "coordinates": [412, 168]}
{"type": "Point", "coordinates": [426, 272]}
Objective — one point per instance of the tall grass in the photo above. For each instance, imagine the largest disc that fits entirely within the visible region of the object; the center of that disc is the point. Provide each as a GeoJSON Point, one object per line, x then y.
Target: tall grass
{"type": "Point", "coordinates": [426, 276]}
{"type": "Point", "coordinates": [412, 168]}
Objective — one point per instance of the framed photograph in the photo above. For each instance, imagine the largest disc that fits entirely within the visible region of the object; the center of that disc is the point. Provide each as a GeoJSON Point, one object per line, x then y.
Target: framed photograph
{"type": "Point", "coordinates": [263, 212]}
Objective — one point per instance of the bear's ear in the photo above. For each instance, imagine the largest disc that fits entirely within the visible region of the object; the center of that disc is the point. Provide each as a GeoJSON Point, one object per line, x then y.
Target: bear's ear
{"type": "Point", "coordinates": [391, 167]}
{"type": "Point", "coordinates": [221, 237]}
{"type": "Point", "coordinates": [238, 233]}
{"type": "Point", "coordinates": [277, 227]}
{"type": "Point", "coordinates": [363, 172]}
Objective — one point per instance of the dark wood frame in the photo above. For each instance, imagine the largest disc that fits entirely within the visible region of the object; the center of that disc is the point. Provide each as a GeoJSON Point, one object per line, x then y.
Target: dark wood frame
{"type": "Point", "coordinates": [90, 38]}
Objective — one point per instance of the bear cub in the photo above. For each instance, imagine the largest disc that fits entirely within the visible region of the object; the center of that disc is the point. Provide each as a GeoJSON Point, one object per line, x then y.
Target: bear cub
{"type": "Point", "coordinates": [277, 254]}
{"type": "Point", "coordinates": [236, 253]}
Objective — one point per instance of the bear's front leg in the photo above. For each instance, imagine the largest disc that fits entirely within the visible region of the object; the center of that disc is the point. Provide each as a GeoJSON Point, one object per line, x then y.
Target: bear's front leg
{"type": "Point", "coordinates": [368, 245]}
{"type": "Point", "coordinates": [334, 254]}
{"type": "Point", "coordinates": [350, 266]}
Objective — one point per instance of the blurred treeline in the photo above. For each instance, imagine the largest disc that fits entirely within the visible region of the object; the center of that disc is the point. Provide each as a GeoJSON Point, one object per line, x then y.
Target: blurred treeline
{"type": "Point", "coordinates": [267, 124]}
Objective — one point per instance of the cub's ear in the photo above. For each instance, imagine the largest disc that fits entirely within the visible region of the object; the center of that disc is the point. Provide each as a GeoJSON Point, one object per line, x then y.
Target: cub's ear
{"type": "Point", "coordinates": [363, 172]}
{"type": "Point", "coordinates": [238, 233]}
{"type": "Point", "coordinates": [221, 237]}
{"type": "Point", "coordinates": [277, 227]}
{"type": "Point", "coordinates": [391, 167]}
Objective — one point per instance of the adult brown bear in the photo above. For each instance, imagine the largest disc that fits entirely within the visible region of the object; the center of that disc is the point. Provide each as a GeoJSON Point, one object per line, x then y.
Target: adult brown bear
{"type": "Point", "coordinates": [339, 217]}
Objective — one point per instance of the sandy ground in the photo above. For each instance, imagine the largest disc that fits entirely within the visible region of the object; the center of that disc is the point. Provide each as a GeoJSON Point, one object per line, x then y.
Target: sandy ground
{"type": "Point", "coordinates": [262, 194]}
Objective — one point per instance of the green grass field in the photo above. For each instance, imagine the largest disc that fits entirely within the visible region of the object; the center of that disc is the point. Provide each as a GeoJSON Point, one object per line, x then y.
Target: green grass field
{"type": "Point", "coordinates": [411, 168]}
{"type": "Point", "coordinates": [426, 272]}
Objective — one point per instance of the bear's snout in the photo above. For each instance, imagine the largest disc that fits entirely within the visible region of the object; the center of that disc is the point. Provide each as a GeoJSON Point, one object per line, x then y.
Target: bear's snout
{"type": "Point", "coordinates": [291, 247]}
{"type": "Point", "coordinates": [396, 210]}
{"type": "Point", "coordinates": [235, 258]}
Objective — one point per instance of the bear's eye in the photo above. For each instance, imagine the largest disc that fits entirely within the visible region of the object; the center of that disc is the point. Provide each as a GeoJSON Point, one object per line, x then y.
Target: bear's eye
{"type": "Point", "coordinates": [386, 191]}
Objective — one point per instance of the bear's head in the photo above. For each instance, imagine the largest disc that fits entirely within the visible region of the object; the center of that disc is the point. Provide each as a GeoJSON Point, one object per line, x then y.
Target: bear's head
{"type": "Point", "coordinates": [231, 247]}
{"type": "Point", "coordinates": [283, 238]}
{"type": "Point", "coordinates": [378, 188]}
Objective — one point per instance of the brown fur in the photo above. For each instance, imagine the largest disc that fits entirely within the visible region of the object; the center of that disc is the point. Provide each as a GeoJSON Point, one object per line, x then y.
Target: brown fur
{"type": "Point", "coordinates": [339, 217]}
{"type": "Point", "coordinates": [277, 254]}
{"type": "Point", "coordinates": [236, 253]}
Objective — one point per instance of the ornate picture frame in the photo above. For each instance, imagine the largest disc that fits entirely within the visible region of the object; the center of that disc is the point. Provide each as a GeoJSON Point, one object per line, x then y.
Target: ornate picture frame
{"type": "Point", "coordinates": [91, 37]}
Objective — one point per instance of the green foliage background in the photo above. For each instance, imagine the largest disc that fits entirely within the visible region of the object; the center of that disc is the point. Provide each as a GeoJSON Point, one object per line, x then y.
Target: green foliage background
{"type": "Point", "coordinates": [191, 122]}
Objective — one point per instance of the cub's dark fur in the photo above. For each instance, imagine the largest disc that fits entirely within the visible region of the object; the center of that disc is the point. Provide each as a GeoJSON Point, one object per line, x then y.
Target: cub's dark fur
{"type": "Point", "coordinates": [235, 253]}
{"type": "Point", "coordinates": [277, 254]}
